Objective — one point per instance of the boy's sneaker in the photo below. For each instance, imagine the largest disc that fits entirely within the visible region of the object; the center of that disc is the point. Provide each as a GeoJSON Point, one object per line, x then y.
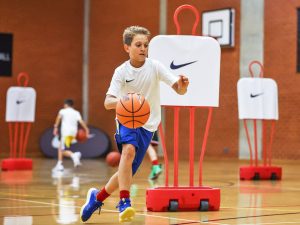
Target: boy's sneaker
{"type": "Point", "coordinates": [155, 172]}
{"type": "Point", "coordinates": [58, 168]}
{"type": "Point", "coordinates": [76, 159]}
{"type": "Point", "coordinates": [91, 205]}
{"type": "Point", "coordinates": [126, 211]}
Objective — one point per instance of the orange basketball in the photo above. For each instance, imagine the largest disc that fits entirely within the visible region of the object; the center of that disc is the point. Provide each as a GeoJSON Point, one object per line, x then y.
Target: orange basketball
{"type": "Point", "coordinates": [81, 135]}
{"type": "Point", "coordinates": [113, 159]}
{"type": "Point", "coordinates": [133, 110]}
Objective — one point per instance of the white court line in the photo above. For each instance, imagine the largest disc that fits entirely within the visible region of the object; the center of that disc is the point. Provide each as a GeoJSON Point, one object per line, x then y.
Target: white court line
{"type": "Point", "coordinates": [273, 223]}
{"type": "Point", "coordinates": [184, 220]}
{"type": "Point", "coordinates": [265, 187]}
{"type": "Point", "coordinates": [263, 209]}
{"type": "Point", "coordinates": [107, 210]}
{"type": "Point", "coordinates": [26, 206]}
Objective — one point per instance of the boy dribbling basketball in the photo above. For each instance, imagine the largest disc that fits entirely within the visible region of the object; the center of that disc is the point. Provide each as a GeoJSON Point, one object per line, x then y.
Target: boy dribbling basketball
{"type": "Point", "coordinates": [139, 75]}
{"type": "Point", "coordinates": [69, 118]}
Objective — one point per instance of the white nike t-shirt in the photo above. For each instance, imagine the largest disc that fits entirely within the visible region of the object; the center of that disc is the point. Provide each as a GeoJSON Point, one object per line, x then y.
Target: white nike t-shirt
{"type": "Point", "coordinates": [144, 80]}
{"type": "Point", "coordinates": [69, 121]}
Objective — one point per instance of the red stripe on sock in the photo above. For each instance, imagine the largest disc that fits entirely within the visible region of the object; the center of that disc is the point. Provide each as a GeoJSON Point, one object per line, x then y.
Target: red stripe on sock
{"type": "Point", "coordinates": [102, 195]}
{"type": "Point", "coordinates": [155, 162]}
{"type": "Point", "coordinates": [124, 194]}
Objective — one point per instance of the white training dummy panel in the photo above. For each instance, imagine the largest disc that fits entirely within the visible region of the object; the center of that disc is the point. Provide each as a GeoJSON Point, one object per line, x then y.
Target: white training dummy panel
{"type": "Point", "coordinates": [20, 104]}
{"type": "Point", "coordinates": [196, 57]}
{"type": "Point", "coordinates": [257, 98]}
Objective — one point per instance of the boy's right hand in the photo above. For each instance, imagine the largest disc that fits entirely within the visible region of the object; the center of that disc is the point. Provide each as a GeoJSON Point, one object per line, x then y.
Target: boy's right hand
{"type": "Point", "coordinates": [110, 102]}
{"type": "Point", "coordinates": [55, 131]}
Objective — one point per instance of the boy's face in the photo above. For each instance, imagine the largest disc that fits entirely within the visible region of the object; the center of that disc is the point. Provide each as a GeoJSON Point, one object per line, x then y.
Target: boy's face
{"type": "Point", "coordinates": [138, 50]}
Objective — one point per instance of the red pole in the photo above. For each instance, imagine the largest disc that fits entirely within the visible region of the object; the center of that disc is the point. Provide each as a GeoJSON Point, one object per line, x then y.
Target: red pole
{"type": "Point", "coordinates": [21, 139]}
{"type": "Point", "coordinates": [26, 138]}
{"type": "Point", "coordinates": [192, 138]}
{"type": "Point", "coordinates": [16, 139]}
{"type": "Point", "coordinates": [271, 142]}
{"type": "Point", "coordinates": [176, 131]}
{"type": "Point", "coordinates": [249, 142]}
{"type": "Point", "coordinates": [208, 122]}
{"type": "Point", "coordinates": [264, 149]}
{"type": "Point", "coordinates": [11, 146]}
{"type": "Point", "coordinates": [255, 143]}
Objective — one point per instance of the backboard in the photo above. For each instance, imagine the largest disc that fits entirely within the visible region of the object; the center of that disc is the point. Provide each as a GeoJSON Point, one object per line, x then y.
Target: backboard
{"type": "Point", "coordinates": [220, 25]}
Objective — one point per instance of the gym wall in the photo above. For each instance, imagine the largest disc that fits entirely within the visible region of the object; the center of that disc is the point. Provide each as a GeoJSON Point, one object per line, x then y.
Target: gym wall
{"type": "Point", "coordinates": [48, 46]}
{"type": "Point", "coordinates": [48, 37]}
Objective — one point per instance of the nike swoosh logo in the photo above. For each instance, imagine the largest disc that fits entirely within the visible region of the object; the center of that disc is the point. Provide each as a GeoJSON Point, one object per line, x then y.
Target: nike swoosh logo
{"type": "Point", "coordinates": [127, 81]}
{"type": "Point", "coordinates": [174, 67]}
{"type": "Point", "coordinates": [19, 101]}
{"type": "Point", "coordinates": [253, 96]}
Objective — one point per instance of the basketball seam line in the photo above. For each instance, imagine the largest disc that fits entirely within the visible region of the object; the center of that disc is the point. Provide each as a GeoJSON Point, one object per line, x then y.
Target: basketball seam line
{"type": "Point", "coordinates": [124, 106]}
{"type": "Point", "coordinates": [132, 105]}
{"type": "Point", "coordinates": [134, 121]}
{"type": "Point", "coordinates": [140, 106]}
{"type": "Point", "coordinates": [134, 116]}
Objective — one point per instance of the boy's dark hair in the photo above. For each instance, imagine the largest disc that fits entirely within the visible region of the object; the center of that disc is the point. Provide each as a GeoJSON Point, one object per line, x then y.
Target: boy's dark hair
{"type": "Point", "coordinates": [69, 102]}
{"type": "Point", "coordinates": [130, 32]}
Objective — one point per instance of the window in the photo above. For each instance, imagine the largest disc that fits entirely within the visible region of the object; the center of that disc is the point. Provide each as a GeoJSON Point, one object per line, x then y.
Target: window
{"type": "Point", "coordinates": [6, 54]}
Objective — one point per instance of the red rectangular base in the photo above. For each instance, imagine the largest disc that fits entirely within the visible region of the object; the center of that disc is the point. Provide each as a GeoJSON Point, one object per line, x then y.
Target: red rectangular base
{"type": "Point", "coordinates": [260, 173]}
{"type": "Point", "coordinates": [183, 199]}
{"type": "Point", "coordinates": [16, 164]}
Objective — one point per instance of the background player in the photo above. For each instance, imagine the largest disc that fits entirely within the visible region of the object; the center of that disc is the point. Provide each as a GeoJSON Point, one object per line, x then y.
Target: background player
{"type": "Point", "coordinates": [68, 119]}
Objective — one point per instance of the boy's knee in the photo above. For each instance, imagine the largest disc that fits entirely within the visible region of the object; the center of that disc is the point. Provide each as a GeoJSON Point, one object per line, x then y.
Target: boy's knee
{"type": "Point", "coordinates": [128, 152]}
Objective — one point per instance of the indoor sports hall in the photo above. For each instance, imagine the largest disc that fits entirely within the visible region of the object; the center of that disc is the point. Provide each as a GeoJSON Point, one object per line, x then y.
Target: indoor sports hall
{"type": "Point", "coordinates": [227, 149]}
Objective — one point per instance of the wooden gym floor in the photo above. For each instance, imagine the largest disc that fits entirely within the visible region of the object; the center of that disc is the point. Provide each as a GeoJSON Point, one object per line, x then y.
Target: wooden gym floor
{"type": "Point", "coordinates": [40, 197]}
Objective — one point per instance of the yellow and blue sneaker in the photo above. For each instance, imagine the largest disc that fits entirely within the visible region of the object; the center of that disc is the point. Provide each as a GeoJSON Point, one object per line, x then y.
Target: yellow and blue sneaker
{"type": "Point", "coordinates": [126, 211]}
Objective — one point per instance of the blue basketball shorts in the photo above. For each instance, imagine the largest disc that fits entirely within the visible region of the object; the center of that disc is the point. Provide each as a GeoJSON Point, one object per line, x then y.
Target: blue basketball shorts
{"type": "Point", "coordinates": [139, 137]}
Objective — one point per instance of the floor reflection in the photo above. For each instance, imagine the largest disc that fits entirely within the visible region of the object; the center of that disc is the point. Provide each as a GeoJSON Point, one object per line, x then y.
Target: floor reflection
{"type": "Point", "coordinates": [67, 186]}
{"type": "Point", "coordinates": [16, 220]}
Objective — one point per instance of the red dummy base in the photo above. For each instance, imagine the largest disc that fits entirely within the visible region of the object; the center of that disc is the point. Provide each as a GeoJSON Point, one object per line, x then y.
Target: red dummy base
{"type": "Point", "coordinates": [16, 164]}
{"type": "Point", "coordinates": [183, 199]}
{"type": "Point", "coordinates": [260, 173]}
